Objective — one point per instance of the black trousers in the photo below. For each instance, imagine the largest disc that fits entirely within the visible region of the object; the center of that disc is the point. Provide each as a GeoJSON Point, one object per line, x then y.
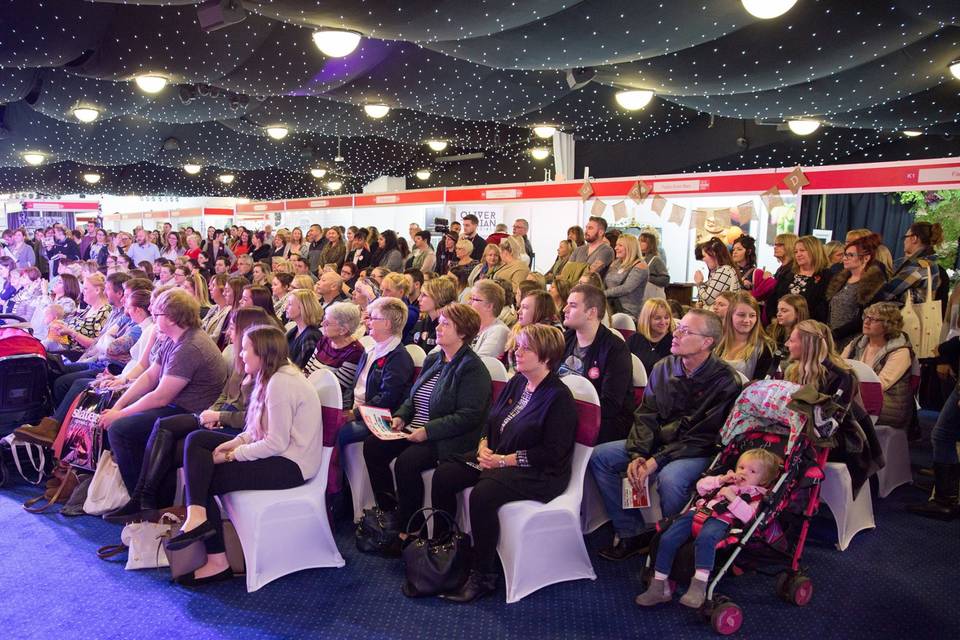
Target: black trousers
{"type": "Point", "coordinates": [413, 458]}
{"type": "Point", "coordinates": [487, 497]}
{"type": "Point", "coordinates": [205, 480]}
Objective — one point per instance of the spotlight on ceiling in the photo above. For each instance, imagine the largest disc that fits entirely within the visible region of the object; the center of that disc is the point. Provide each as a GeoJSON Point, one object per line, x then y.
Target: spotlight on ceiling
{"type": "Point", "coordinates": [955, 69]}
{"type": "Point", "coordinates": [376, 110]}
{"type": "Point", "coordinates": [767, 9]}
{"type": "Point", "coordinates": [912, 133]}
{"type": "Point", "coordinates": [192, 169]}
{"type": "Point", "coordinates": [34, 157]}
{"type": "Point", "coordinates": [544, 131]}
{"type": "Point", "coordinates": [437, 145]}
{"type": "Point", "coordinates": [540, 153]}
{"type": "Point", "coordinates": [151, 83]}
{"type": "Point", "coordinates": [91, 178]}
{"type": "Point", "coordinates": [334, 185]}
{"type": "Point", "coordinates": [336, 43]}
{"type": "Point", "coordinates": [634, 99]}
{"type": "Point", "coordinates": [803, 126]}
{"type": "Point", "coordinates": [277, 132]}
{"type": "Point", "coordinates": [318, 173]}
{"type": "Point", "coordinates": [86, 114]}
{"type": "Point", "coordinates": [226, 178]}
{"type": "Point", "coordinates": [423, 174]}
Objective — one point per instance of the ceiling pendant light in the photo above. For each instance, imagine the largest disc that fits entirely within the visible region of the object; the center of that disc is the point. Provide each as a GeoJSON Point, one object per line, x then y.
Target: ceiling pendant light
{"type": "Point", "coordinates": [803, 126]}
{"type": "Point", "coordinates": [339, 156]}
{"type": "Point", "coordinates": [226, 178]}
{"type": "Point", "coordinates": [86, 114]}
{"type": "Point", "coordinates": [955, 69]}
{"type": "Point", "coordinates": [437, 145]}
{"type": "Point", "coordinates": [91, 178]}
{"type": "Point", "coordinates": [336, 43]}
{"type": "Point", "coordinates": [376, 111]}
{"type": "Point", "coordinates": [151, 83]}
{"type": "Point", "coordinates": [540, 153]}
{"type": "Point", "coordinates": [192, 169]}
{"type": "Point", "coordinates": [277, 132]}
{"type": "Point", "coordinates": [634, 99]}
{"type": "Point", "coordinates": [544, 131]}
{"type": "Point", "coordinates": [767, 9]}
{"type": "Point", "coordinates": [318, 173]}
{"type": "Point", "coordinates": [34, 157]}
{"type": "Point", "coordinates": [912, 133]}
{"type": "Point", "coordinates": [423, 174]}
{"type": "Point", "coordinates": [334, 185]}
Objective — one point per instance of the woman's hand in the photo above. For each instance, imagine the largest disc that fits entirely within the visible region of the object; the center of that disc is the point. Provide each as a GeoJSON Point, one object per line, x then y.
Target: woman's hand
{"type": "Point", "coordinates": [641, 265]}
{"type": "Point", "coordinates": [397, 424]}
{"type": "Point", "coordinates": [110, 416]}
{"type": "Point", "coordinates": [698, 277]}
{"type": "Point", "coordinates": [219, 457]}
{"type": "Point", "coordinates": [209, 419]}
{"type": "Point", "coordinates": [483, 449]}
{"type": "Point", "coordinates": [417, 435]}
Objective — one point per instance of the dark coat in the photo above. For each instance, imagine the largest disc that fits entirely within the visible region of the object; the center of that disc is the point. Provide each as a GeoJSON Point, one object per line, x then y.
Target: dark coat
{"type": "Point", "coordinates": [546, 429]}
{"type": "Point", "coordinates": [871, 282]}
{"type": "Point", "coordinates": [302, 346]}
{"type": "Point", "coordinates": [388, 381]}
{"type": "Point", "coordinates": [609, 356]}
{"type": "Point", "coordinates": [458, 404]}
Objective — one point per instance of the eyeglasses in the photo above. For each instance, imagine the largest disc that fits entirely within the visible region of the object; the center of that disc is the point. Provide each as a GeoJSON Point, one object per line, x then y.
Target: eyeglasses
{"type": "Point", "coordinates": [372, 318]}
{"type": "Point", "coordinates": [778, 244]}
{"type": "Point", "coordinates": [682, 331]}
{"type": "Point", "coordinates": [910, 235]}
{"type": "Point", "coordinates": [847, 254]}
{"type": "Point", "coordinates": [867, 319]}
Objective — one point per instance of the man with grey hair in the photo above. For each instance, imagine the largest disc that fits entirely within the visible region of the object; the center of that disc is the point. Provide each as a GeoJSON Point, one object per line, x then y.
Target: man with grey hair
{"type": "Point", "coordinates": [675, 431]}
{"type": "Point", "coordinates": [520, 229]}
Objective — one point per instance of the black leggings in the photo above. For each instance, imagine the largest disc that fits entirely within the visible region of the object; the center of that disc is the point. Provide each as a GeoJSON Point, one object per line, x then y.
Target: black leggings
{"type": "Point", "coordinates": [205, 480]}
{"type": "Point", "coordinates": [413, 458]}
{"type": "Point", "coordinates": [487, 497]}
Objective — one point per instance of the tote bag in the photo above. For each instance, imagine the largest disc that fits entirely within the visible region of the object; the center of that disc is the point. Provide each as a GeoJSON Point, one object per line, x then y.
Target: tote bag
{"type": "Point", "coordinates": [107, 491]}
{"type": "Point", "coordinates": [931, 321]}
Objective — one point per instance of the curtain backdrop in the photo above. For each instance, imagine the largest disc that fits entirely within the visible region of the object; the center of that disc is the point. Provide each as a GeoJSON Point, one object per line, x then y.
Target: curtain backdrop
{"type": "Point", "coordinates": [563, 146]}
{"type": "Point", "coordinates": [881, 212]}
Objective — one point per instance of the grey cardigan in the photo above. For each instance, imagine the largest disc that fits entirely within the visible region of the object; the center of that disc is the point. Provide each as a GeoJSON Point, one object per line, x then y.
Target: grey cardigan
{"type": "Point", "coordinates": [627, 287]}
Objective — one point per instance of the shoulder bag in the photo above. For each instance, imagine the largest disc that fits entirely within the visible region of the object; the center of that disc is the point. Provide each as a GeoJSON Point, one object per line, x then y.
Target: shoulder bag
{"type": "Point", "coordinates": [435, 565]}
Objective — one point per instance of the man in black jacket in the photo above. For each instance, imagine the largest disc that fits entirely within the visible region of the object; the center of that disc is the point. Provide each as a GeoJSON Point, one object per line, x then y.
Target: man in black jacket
{"type": "Point", "coordinates": [595, 353]}
{"type": "Point", "coordinates": [675, 431]}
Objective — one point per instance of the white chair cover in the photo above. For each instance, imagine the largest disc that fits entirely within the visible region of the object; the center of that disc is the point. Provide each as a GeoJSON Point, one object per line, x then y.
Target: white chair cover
{"type": "Point", "coordinates": [852, 516]}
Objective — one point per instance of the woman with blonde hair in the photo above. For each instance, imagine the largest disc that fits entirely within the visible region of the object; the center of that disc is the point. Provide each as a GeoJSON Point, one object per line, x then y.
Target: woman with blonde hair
{"type": "Point", "coordinates": [653, 262]}
{"type": "Point", "coordinates": [721, 305]}
{"type": "Point", "coordinates": [512, 269]}
{"type": "Point", "coordinates": [302, 281]}
{"type": "Point", "coordinates": [811, 276]}
{"type": "Point", "coordinates": [654, 336]}
{"type": "Point", "coordinates": [434, 295]}
{"type": "Point", "coordinates": [744, 344]}
{"type": "Point", "coordinates": [304, 310]}
{"type": "Point", "coordinates": [814, 359]}
{"type": "Point", "coordinates": [489, 264]}
{"type": "Point", "coordinates": [770, 290]}
{"type": "Point", "coordinates": [625, 282]}
{"type": "Point", "coordinates": [464, 263]}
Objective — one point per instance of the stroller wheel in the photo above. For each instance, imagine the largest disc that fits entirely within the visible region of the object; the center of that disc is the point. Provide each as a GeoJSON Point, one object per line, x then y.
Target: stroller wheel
{"type": "Point", "coordinates": [800, 590]}
{"type": "Point", "coordinates": [726, 618]}
{"type": "Point", "coordinates": [781, 585]}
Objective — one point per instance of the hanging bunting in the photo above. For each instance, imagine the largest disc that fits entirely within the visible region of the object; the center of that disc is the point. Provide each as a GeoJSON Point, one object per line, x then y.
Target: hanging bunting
{"type": "Point", "coordinates": [746, 212]}
{"type": "Point", "coordinates": [598, 208]}
{"type": "Point", "coordinates": [676, 214]}
{"type": "Point", "coordinates": [771, 198]}
{"type": "Point", "coordinates": [586, 190]}
{"type": "Point", "coordinates": [619, 211]}
{"type": "Point", "coordinates": [659, 203]}
{"type": "Point", "coordinates": [697, 219]}
{"type": "Point", "coordinates": [795, 180]}
{"type": "Point", "coordinates": [639, 191]}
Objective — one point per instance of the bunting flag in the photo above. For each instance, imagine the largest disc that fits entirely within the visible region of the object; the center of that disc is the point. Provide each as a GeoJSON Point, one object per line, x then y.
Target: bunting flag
{"type": "Point", "coordinates": [659, 203]}
{"type": "Point", "coordinates": [721, 217]}
{"type": "Point", "coordinates": [698, 218]}
{"type": "Point", "coordinates": [586, 190]}
{"type": "Point", "coordinates": [771, 198]}
{"type": "Point", "coordinates": [619, 211]}
{"type": "Point", "coordinates": [676, 214]}
{"type": "Point", "coordinates": [746, 212]}
{"type": "Point", "coordinates": [795, 180]}
{"type": "Point", "coordinates": [639, 191]}
{"type": "Point", "coordinates": [598, 207]}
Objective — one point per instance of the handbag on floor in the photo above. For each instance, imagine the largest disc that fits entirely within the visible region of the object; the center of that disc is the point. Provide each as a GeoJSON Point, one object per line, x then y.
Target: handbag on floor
{"type": "Point", "coordinates": [107, 491]}
{"type": "Point", "coordinates": [31, 460]}
{"type": "Point", "coordinates": [435, 565]}
{"type": "Point", "coordinates": [59, 489]}
{"type": "Point", "coordinates": [145, 545]}
{"type": "Point", "coordinates": [83, 441]}
{"type": "Point", "coordinates": [377, 530]}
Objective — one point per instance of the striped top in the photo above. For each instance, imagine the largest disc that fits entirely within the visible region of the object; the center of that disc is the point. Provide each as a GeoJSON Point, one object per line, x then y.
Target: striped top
{"type": "Point", "coordinates": [342, 362]}
{"type": "Point", "coordinates": [421, 401]}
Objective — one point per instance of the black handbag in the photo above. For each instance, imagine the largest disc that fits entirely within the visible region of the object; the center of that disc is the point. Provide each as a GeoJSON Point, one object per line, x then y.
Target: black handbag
{"type": "Point", "coordinates": [84, 439]}
{"type": "Point", "coordinates": [435, 565]}
{"type": "Point", "coordinates": [377, 530]}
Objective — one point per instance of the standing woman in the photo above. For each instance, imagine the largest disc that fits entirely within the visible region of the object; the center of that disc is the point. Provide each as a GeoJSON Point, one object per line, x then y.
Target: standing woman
{"type": "Point", "coordinates": [296, 245]}
{"type": "Point", "coordinates": [193, 247]}
{"type": "Point", "coordinates": [335, 251]}
{"type": "Point", "coordinates": [722, 276]}
{"type": "Point", "coordinates": [280, 448]}
{"type": "Point", "coordinates": [811, 276]}
{"type": "Point", "coordinates": [853, 287]}
{"type": "Point", "coordinates": [489, 264]}
{"type": "Point", "coordinates": [389, 257]}
{"type": "Point", "coordinates": [434, 296]}
{"type": "Point", "coordinates": [575, 235]}
{"type": "Point", "coordinates": [744, 345]}
{"type": "Point", "coordinates": [525, 453]}
{"type": "Point", "coordinates": [446, 253]}
{"type": "Point", "coordinates": [625, 283]}
{"type": "Point", "coordinates": [304, 310]}
{"type": "Point", "coordinates": [770, 290]}
{"type": "Point", "coordinates": [97, 250]}
{"type": "Point", "coordinates": [919, 248]}
{"type": "Point", "coordinates": [744, 257]}
{"type": "Point", "coordinates": [261, 251]}
{"type": "Point", "coordinates": [651, 260]}
{"type": "Point", "coordinates": [791, 309]}
{"type": "Point", "coordinates": [242, 245]}
{"type": "Point", "coordinates": [654, 335]}
{"type": "Point", "coordinates": [171, 249]}
{"type": "Point", "coordinates": [279, 244]}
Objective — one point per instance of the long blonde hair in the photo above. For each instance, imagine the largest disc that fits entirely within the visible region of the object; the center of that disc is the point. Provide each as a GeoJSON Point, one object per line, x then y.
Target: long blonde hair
{"type": "Point", "coordinates": [816, 347]}
{"type": "Point", "coordinates": [727, 349]}
{"type": "Point", "coordinates": [650, 307]}
{"type": "Point", "coordinates": [270, 344]}
{"type": "Point", "coordinates": [632, 250]}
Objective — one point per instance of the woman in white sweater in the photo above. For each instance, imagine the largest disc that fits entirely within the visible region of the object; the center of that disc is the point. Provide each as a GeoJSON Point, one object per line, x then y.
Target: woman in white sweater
{"type": "Point", "coordinates": [488, 298]}
{"type": "Point", "coordinates": [279, 448]}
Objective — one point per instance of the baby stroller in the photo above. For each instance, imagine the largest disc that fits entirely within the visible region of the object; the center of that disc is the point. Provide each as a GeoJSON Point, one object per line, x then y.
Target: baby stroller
{"type": "Point", "coordinates": [772, 544]}
{"type": "Point", "coordinates": [24, 391]}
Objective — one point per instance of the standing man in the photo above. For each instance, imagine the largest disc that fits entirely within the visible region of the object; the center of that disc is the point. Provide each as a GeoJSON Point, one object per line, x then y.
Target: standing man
{"type": "Point", "coordinates": [455, 228]}
{"type": "Point", "coordinates": [595, 252]}
{"type": "Point", "coordinates": [89, 237]}
{"type": "Point", "coordinates": [268, 235]}
{"type": "Point", "coordinates": [143, 250]}
{"type": "Point", "coordinates": [520, 229]}
{"type": "Point", "coordinates": [62, 248]}
{"type": "Point", "coordinates": [470, 223]}
{"type": "Point", "coordinates": [316, 240]}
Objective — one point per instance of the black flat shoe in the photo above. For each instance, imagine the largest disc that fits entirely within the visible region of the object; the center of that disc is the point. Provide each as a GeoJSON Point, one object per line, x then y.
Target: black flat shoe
{"type": "Point", "coordinates": [190, 581]}
{"type": "Point", "coordinates": [627, 547]}
{"type": "Point", "coordinates": [477, 586]}
{"type": "Point", "coordinates": [129, 512]}
{"type": "Point", "coordinates": [183, 540]}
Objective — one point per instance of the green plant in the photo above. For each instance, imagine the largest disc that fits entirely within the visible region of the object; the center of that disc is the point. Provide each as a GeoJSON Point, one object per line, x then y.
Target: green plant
{"type": "Point", "coordinates": [938, 206]}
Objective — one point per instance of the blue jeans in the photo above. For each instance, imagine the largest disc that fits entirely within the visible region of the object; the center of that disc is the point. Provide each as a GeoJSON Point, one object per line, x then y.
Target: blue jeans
{"type": "Point", "coordinates": [674, 482]}
{"type": "Point", "coordinates": [352, 432]}
{"type": "Point", "coordinates": [128, 440]}
{"type": "Point", "coordinates": [73, 372]}
{"type": "Point", "coordinates": [705, 546]}
{"type": "Point", "coordinates": [947, 432]}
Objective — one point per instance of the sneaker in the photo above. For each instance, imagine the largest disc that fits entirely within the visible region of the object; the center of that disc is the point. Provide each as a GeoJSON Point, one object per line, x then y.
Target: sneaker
{"type": "Point", "coordinates": [626, 548]}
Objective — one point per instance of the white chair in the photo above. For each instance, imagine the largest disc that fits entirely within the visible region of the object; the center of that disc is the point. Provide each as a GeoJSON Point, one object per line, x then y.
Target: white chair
{"type": "Point", "coordinates": [624, 323]}
{"type": "Point", "coordinates": [418, 355]}
{"type": "Point", "coordinates": [852, 515]}
{"type": "Point", "coordinates": [618, 334]}
{"type": "Point", "coordinates": [639, 378]}
{"type": "Point", "coordinates": [287, 530]}
{"type": "Point", "coordinates": [498, 376]}
{"type": "Point", "coordinates": [541, 544]}
{"type": "Point", "coordinates": [355, 468]}
{"type": "Point", "coordinates": [893, 441]}
{"type": "Point", "coordinates": [367, 342]}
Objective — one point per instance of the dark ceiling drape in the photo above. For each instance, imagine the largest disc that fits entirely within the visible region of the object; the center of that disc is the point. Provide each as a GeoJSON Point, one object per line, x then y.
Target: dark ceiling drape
{"type": "Point", "coordinates": [881, 212]}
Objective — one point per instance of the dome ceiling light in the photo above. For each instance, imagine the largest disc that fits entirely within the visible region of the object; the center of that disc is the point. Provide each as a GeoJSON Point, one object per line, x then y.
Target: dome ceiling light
{"type": "Point", "coordinates": [226, 178]}
{"type": "Point", "coordinates": [34, 157]}
{"type": "Point", "coordinates": [277, 132]}
{"type": "Point", "coordinates": [634, 99]}
{"type": "Point", "coordinates": [540, 153]}
{"type": "Point", "coordinates": [544, 131]}
{"type": "Point", "coordinates": [955, 69]}
{"type": "Point", "coordinates": [376, 111]}
{"type": "Point", "coordinates": [767, 9]}
{"type": "Point", "coordinates": [91, 178]}
{"type": "Point", "coordinates": [192, 169]}
{"type": "Point", "coordinates": [86, 115]}
{"type": "Point", "coordinates": [336, 43]}
{"type": "Point", "coordinates": [151, 83]}
{"type": "Point", "coordinates": [318, 173]}
{"type": "Point", "coordinates": [423, 174]}
{"type": "Point", "coordinates": [803, 126]}
{"type": "Point", "coordinates": [437, 145]}
{"type": "Point", "coordinates": [912, 133]}
{"type": "Point", "coordinates": [334, 185]}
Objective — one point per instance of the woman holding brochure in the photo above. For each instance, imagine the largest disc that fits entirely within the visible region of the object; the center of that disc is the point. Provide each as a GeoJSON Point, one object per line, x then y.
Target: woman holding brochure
{"type": "Point", "coordinates": [442, 416]}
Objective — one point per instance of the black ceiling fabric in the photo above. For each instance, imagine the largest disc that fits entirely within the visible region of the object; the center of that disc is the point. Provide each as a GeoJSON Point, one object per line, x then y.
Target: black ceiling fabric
{"type": "Point", "coordinates": [478, 74]}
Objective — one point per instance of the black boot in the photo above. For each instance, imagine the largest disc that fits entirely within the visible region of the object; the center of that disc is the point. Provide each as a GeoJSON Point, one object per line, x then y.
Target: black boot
{"type": "Point", "coordinates": [143, 502]}
{"type": "Point", "coordinates": [477, 585]}
{"type": "Point", "coordinates": [628, 547]}
{"type": "Point", "coordinates": [944, 505]}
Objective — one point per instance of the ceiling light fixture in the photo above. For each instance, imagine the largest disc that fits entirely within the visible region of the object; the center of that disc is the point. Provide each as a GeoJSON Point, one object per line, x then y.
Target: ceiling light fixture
{"type": "Point", "coordinates": [544, 131]}
{"type": "Point", "coordinates": [339, 156]}
{"type": "Point", "coordinates": [803, 126]}
{"type": "Point", "coordinates": [226, 178]}
{"type": "Point", "coordinates": [150, 83]}
{"type": "Point", "coordinates": [540, 153]}
{"type": "Point", "coordinates": [376, 111]}
{"type": "Point", "coordinates": [34, 157]}
{"type": "Point", "coordinates": [336, 43]}
{"type": "Point", "coordinates": [277, 132]}
{"type": "Point", "coordinates": [91, 178]}
{"type": "Point", "coordinates": [767, 9]}
{"type": "Point", "coordinates": [437, 145]}
{"type": "Point", "coordinates": [955, 69]}
{"type": "Point", "coordinates": [86, 114]}
{"type": "Point", "coordinates": [318, 173]}
{"type": "Point", "coordinates": [912, 133]}
{"type": "Point", "coordinates": [634, 99]}
{"type": "Point", "coordinates": [192, 169]}
{"type": "Point", "coordinates": [334, 185]}
{"type": "Point", "coordinates": [423, 174]}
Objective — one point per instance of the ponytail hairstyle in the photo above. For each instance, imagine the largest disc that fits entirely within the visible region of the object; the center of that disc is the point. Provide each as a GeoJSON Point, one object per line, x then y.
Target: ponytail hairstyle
{"type": "Point", "coordinates": [929, 235]}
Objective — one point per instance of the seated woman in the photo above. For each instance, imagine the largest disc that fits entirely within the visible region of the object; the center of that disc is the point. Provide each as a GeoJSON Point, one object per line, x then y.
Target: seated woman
{"type": "Point", "coordinates": [256, 296]}
{"type": "Point", "coordinates": [64, 291]}
{"type": "Point", "coordinates": [87, 323]}
{"type": "Point", "coordinates": [230, 294]}
{"type": "Point", "coordinates": [338, 350]}
{"type": "Point", "coordinates": [25, 301]}
{"type": "Point", "coordinates": [280, 287]}
{"type": "Point", "coordinates": [164, 450]}
{"type": "Point", "coordinates": [654, 334]}
{"type": "Point", "coordinates": [305, 312]}
{"type": "Point", "coordinates": [434, 295]}
{"type": "Point", "coordinates": [721, 304]}
{"type": "Point", "coordinates": [442, 415]}
{"type": "Point", "coordinates": [512, 268]}
{"type": "Point", "coordinates": [488, 265]}
{"type": "Point", "coordinates": [886, 349]}
{"type": "Point", "coordinates": [385, 370]}
{"type": "Point", "coordinates": [791, 309]}
{"type": "Point", "coordinates": [744, 345]}
{"type": "Point", "coordinates": [535, 308]}
{"type": "Point", "coordinates": [487, 298]}
{"type": "Point", "coordinates": [525, 452]}
{"type": "Point", "coordinates": [280, 448]}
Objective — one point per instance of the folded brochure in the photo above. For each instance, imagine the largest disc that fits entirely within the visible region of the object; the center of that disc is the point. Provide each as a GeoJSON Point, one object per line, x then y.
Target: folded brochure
{"type": "Point", "coordinates": [380, 422]}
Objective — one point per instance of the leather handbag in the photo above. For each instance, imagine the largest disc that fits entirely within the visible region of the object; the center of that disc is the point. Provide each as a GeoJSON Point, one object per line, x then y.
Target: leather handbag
{"type": "Point", "coordinates": [145, 544]}
{"type": "Point", "coordinates": [83, 441]}
{"type": "Point", "coordinates": [435, 565]}
{"type": "Point", "coordinates": [107, 491]}
{"type": "Point", "coordinates": [377, 530]}
{"type": "Point", "coordinates": [58, 489]}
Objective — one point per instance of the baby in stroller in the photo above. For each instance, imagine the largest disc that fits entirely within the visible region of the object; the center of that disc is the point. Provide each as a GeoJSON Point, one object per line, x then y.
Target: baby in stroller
{"type": "Point", "coordinates": [724, 499]}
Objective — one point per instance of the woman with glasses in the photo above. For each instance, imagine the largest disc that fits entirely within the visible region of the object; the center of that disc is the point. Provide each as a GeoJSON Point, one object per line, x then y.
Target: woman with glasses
{"type": "Point", "coordinates": [487, 298]}
{"type": "Point", "coordinates": [853, 288]}
{"type": "Point", "coordinates": [919, 247]}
